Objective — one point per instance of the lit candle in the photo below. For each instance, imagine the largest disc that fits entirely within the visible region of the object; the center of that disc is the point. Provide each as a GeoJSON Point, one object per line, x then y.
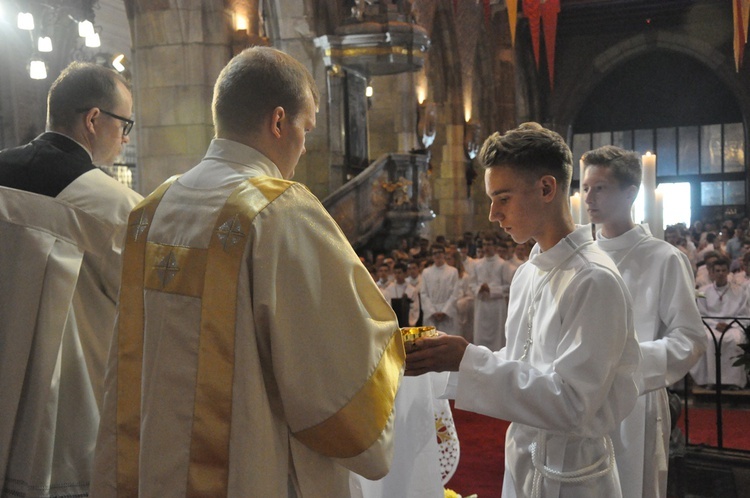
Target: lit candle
{"type": "Point", "coordinates": [658, 228]}
{"type": "Point", "coordinates": [583, 215]}
{"type": "Point", "coordinates": [575, 206]}
{"type": "Point", "coordinates": [649, 188]}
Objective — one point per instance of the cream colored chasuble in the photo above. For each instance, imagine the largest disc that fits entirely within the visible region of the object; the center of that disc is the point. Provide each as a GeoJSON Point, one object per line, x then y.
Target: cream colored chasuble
{"type": "Point", "coordinates": [180, 271]}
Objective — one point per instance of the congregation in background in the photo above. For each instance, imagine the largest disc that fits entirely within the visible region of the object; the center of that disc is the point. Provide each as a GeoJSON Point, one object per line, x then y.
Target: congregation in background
{"type": "Point", "coordinates": [460, 286]}
{"type": "Point", "coordinates": [479, 266]}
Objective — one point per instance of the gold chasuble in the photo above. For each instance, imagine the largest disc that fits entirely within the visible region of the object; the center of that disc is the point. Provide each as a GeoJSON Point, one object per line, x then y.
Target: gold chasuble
{"type": "Point", "coordinates": [215, 275]}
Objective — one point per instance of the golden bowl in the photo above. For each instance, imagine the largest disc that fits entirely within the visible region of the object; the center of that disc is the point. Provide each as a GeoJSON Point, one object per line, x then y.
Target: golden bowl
{"type": "Point", "coordinates": [411, 334]}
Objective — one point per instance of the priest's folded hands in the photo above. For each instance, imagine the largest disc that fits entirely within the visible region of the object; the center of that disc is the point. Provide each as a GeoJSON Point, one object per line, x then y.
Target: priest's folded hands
{"type": "Point", "coordinates": [442, 353]}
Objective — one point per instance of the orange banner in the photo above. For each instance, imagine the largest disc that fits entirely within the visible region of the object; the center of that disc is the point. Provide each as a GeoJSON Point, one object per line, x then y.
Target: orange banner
{"type": "Point", "coordinates": [513, 19]}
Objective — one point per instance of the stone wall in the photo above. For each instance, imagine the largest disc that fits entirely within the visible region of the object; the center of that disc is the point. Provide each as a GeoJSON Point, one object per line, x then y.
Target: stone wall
{"type": "Point", "coordinates": [179, 49]}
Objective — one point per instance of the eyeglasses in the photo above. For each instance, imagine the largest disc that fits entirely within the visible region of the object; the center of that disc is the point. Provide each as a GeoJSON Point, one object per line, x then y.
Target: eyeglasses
{"type": "Point", "coordinates": [125, 128]}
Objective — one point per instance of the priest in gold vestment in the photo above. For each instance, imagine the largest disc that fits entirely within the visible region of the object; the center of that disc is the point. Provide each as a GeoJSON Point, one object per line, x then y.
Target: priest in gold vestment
{"type": "Point", "coordinates": [254, 355]}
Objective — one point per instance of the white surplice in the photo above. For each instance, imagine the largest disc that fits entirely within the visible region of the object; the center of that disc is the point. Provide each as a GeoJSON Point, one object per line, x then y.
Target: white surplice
{"type": "Point", "coordinates": [510, 267]}
{"type": "Point", "coordinates": [730, 301]}
{"type": "Point", "coordinates": [438, 294]}
{"type": "Point", "coordinates": [312, 355]}
{"type": "Point", "coordinates": [59, 278]}
{"type": "Point", "coordinates": [490, 309]}
{"type": "Point", "coordinates": [465, 307]}
{"type": "Point", "coordinates": [415, 282]}
{"type": "Point", "coordinates": [416, 469]}
{"type": "Point", "coordinates": [575, 383]}
{"type": "Point", "coordinates": [399, 291]}
{"type": "Point", "coordinates": [671, 337]}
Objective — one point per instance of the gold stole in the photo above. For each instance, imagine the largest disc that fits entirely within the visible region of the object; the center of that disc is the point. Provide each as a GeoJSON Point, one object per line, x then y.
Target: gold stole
{"type": "Point", "coordinates": [181, 270]}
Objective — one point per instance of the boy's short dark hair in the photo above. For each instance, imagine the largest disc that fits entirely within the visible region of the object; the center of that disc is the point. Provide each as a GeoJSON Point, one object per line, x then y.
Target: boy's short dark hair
{"type": "Point", "coordinates": [531, 149]}
{"type": "Point", "coordinates": [720, 261]}
{"type": "Point", "coordinates": [625, 165]}
{"type": "Point", "coordinates": [399, 266]}
{"type": "Point", "coordinates": [437, 247]}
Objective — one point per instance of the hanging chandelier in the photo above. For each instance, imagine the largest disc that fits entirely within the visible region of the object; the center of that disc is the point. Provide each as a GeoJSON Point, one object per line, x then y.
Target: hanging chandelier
{"type": "Point", "coordinates": [48, 21]}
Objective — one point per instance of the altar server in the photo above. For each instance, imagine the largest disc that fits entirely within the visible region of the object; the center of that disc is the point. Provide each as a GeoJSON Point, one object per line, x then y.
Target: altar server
{"type": "Point", "coordinates": [565, 377]}
{"type": "Point", "coordinates": [667, 323]}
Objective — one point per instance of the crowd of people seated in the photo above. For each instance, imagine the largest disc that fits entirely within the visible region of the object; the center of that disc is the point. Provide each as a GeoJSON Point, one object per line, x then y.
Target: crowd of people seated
{"type": "Point", "coordinates": [720, 256]}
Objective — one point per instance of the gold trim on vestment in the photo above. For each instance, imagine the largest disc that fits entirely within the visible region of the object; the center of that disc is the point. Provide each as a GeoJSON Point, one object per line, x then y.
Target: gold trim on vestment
{"type": "Point", "coordinates": [175, 269]}
{"type": "Point", "coordinates": [183, 270]}
{"type": "Point", "coordinates": [208, 471]}
{"type": "Point", "coordinates": [358, 425]}
{"type": "Point", "coordinates": [374, 51]}
{"type": "Point", "coordinates": [130, 343]}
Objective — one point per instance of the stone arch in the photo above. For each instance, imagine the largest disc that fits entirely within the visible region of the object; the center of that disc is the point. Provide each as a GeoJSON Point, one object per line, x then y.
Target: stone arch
{"type": "Point", "coordinates": [605, 62]}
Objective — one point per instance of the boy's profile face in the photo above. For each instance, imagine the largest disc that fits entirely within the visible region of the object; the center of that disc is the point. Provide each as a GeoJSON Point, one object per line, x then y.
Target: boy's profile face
{"type": "Point", "coordinates": [515, 201]}
{"type": "Point", "coordinates": [606, 200]}
{"type": "Point", "coordinates": [413, 270]}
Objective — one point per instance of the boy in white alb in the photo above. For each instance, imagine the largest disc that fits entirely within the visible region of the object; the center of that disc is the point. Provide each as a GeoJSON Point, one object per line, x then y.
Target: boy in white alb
{"type": "Point", "coordinates": [667, 323]}
{"type": "Point", "coordinates": [403, 297]}
{"type": "Point", "coordinates": [438, 293]}
{"type": "Point", "coordinates": [490, 291]}
{"type": "Point", "coordinates": [565, 377]}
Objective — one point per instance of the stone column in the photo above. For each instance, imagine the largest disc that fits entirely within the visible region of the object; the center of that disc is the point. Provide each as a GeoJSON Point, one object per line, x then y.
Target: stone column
{"type": "Point", "coordinates": [179, 48]}
{"type": "Point", "coordinates": [449, 194]}
{"type": "Point", "coordinates": [288, 25]}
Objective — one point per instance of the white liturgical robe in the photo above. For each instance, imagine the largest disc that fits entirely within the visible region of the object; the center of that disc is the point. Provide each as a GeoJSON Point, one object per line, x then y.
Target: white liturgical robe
{"type": "Point", "coordinates": [465, 307]}
{"type": "Point", "coordinates": [566, 381]}
{"type": "Point", "coordinates": [59, 277]}
{"type": "Point", "coordinates": [438, 294]}
{"type": "Point", "coordinates": [425, 444]}
{"type": "Point", "coordinates": [510, 267]}
{"type": "Point", "coordinates": [254, 354]}
{"type": "Point", "coordinates": [730, 301]}
{"type": "Point", "coordinates": [671, 337]}
{"type": "Point", "coordinates": [490, 309]}
{"type": "Point", "coordinates": [400, 291]}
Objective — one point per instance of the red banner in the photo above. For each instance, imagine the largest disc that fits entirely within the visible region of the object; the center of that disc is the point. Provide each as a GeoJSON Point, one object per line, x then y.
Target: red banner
{"type": "Point", "coordinates": [550, 9]}
{"type": "Point", "coordinates": [531, 11]}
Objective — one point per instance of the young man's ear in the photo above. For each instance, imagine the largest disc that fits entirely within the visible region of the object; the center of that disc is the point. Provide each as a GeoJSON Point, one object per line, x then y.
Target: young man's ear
{"type": "Point", "coordinates": [632, 193]}
{"type": "Point", "coordinates": [549, 186]}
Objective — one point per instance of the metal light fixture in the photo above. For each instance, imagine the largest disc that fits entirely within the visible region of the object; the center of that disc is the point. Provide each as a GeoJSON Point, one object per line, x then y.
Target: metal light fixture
{"type": "Point", "coordinates": [93, 41]}
{"type": "Point", "coordinates": [117, 63]}
{"type": "Point", "coordinates": [37, 69]}
{"type": "Point", "coordinates": [26, 21]}
{"type": "Point", "coordinates": [86, 29]}
{"type": "Point", "coordinates": [44, 44]}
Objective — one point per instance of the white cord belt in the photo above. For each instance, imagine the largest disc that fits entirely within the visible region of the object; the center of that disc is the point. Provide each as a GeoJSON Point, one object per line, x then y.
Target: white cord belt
{"type": "Point", "coordinates": [538, 456]}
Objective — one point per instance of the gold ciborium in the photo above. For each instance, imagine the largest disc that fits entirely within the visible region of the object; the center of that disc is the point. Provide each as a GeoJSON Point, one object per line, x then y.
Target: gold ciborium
{"type": "Point", "coordinates": [411, 334]}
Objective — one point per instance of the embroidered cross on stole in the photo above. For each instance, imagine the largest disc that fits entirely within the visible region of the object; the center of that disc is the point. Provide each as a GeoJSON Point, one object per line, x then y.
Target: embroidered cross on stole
{"type": "Point", "coordinates": [183, 270]}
